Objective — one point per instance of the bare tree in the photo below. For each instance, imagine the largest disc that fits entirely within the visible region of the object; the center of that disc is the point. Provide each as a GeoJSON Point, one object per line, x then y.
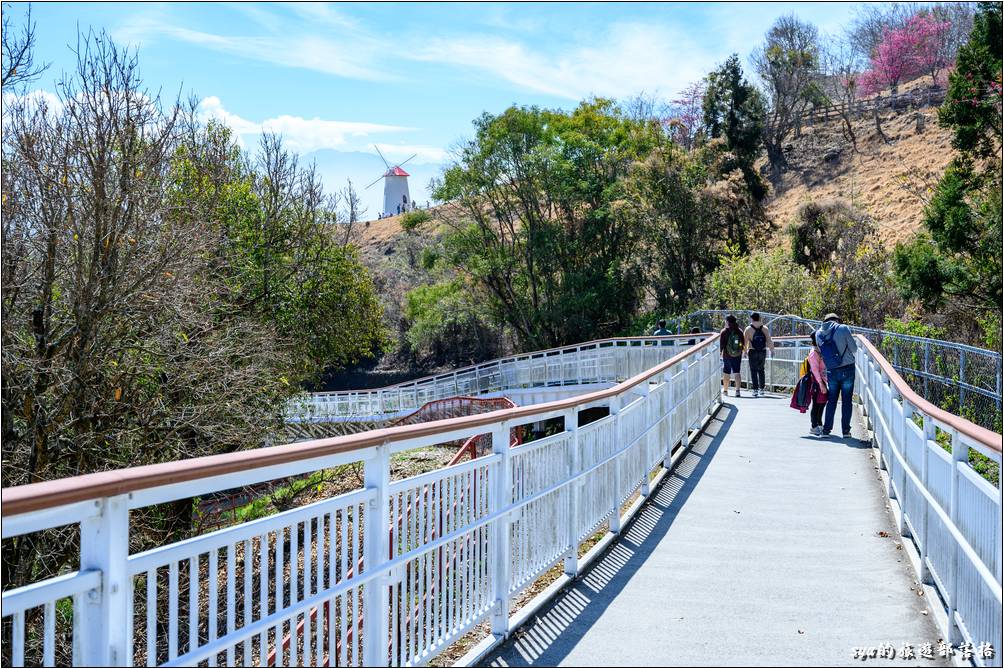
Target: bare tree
{"type": "Point", "coordinates": [788, 66]}
{"type": "Point", "coordinates": [872, 21]}
{"type": "Point", "coordinates": [19, 65]}
{"type": "Point", "coordinates": [351, 212]}
{"type": "Point", "coordinates": [839, 82]}
{"type": "Point", "coordinates": [120, 347]}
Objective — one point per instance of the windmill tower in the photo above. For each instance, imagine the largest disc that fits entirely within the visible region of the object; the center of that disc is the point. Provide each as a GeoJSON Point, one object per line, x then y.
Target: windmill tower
{"type": "Point", "coordinates": [396, 197]}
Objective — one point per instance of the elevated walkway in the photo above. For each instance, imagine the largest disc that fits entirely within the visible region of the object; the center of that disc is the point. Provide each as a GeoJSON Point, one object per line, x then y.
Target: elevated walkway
{"type": "Point", "coordinates": [764, 546]}
{"type": "Point", "coordinates": [745, 541]}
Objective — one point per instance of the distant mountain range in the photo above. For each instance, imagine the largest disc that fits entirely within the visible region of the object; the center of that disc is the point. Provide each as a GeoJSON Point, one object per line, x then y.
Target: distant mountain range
{"type": "Point", "coordinates": [335, 167]}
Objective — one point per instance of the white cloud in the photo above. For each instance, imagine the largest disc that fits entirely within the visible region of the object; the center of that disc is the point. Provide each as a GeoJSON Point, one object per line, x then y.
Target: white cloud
{"type": "Point", "coordinates": [33, 100]}
{"type": "Point", "coordinates": [630, 58]}
{"type": "Point", "coordinates": [301, 135]}
{"type": "Point", "coordinates": [354, 54]}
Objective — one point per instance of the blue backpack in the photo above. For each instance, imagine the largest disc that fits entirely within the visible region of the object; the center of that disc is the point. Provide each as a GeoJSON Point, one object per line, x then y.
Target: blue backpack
{"type": "Point", "coordinates": [832, 356]}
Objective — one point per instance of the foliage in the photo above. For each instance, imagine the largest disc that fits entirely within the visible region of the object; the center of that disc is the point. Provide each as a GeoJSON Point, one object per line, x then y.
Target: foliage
{"type": "Point", "coordinates": [764, 281]}
{"type": "Point", "coordinates": [822, 229]}
{"type": "Point", "coordinates": [162, 294]}
{"type": "Point", "coordinates": [972, 108]}
{"type": "Point", "coordinates": [687, 114]}
{"type": "Point", "coordinates": [415, 219]}
{"type": "Point", "coordinates": [734, 111]}
{"type": "Point", "coordinates": [280, 255]}
{"type": "Point", "coordinates": [788, 65]}
{"type": "Point", "coordinates": [669, 196]}
{"type": "Point", "coordinates": [957, 258]}
{"type": "Point", "coordinates": [447, 326]}
{"type": "Point", "coordinates": [841, 245]}
{"type": "Point", "coordinates": [537, 233]}
{"type": "Point", "coordinates": [913, 327]}
{"type": "Point", "coordinates": [905, 52]}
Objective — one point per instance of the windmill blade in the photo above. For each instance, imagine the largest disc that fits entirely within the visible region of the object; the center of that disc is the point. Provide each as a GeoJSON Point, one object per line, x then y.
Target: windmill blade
{"type": "Point", "coordinates": [407, 159]}
{"type": "Point", "coordinates": [377, 179]}
{"type": "Point", "coordinates": [381, 156]}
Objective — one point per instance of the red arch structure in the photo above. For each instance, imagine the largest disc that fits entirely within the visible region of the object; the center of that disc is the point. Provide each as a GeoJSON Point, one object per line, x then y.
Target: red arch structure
{"type": "Point", "coordinates": [455, 407]}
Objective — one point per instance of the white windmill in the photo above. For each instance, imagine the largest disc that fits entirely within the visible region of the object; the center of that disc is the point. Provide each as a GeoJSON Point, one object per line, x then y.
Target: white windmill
{"type": "Point", "coordinates": [396, 198]}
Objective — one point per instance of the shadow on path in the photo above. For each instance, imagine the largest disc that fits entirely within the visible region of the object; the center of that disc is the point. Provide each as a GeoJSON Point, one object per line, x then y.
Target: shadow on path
{"type": "Point", "coordinates": [555, 629]}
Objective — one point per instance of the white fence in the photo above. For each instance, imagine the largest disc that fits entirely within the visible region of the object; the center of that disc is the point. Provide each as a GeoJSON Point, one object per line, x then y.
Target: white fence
{"type": "Point", "coordinates": [391, 573]}
{"type": "Point", "coordinates": [604, 361]}
{"type": "Point", "coordinates": [950, 512]}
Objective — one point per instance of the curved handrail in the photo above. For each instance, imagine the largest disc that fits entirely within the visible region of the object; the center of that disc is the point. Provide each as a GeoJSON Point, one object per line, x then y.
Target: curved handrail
{"type": "Point", "coordinates": [517, 356]}
{"type": "Point", "coordinates": [986, 437]}
{"type": "Point", "coordinates": [59, 492]}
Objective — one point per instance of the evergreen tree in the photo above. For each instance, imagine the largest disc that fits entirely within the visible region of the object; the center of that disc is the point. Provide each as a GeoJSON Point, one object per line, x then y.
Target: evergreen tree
{"type": "Point", "coordinates": [734, 111]}
{"type": "Point", "coordinates": [957, 258]}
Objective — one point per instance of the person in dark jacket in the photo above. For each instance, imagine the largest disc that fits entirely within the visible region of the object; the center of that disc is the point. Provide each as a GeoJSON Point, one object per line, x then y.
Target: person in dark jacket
{"type": "Point", "coordinates": [839, 370]}
{"type": "Point", "coordinates": [757, 342]}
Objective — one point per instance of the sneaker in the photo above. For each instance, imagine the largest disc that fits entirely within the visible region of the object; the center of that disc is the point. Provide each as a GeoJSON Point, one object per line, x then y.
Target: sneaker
{"type": "Point", "coordinates": [818, 431]}
{"type": "Point", "coordinates": [739, 393]}
{"type": "Point", "coordinates": [758, 393]}
{"type": "Point", "coordinates": [847, 435]}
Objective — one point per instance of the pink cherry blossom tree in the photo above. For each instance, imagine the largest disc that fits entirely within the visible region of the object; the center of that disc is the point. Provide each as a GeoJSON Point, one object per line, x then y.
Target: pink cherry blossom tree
{"type": "Point", "coordinates": [914, 49]}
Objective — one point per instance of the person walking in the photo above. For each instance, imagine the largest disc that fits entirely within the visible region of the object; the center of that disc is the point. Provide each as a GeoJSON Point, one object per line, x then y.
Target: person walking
{"type": "Point", "coordinates": [757, 341]}
{"type": "Point", "coordinates": [731, 345]}
{"type": "Point", "coordinates": [814, 364]}
{"type": "Point", "coordinates": [661, 330]}
{"type": "Point", "coordinates": [837, 348]}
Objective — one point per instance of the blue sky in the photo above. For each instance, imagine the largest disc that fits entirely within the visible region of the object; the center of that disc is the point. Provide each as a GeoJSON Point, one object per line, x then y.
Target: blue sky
{"type": "Point", "coordinates": [335, 79]}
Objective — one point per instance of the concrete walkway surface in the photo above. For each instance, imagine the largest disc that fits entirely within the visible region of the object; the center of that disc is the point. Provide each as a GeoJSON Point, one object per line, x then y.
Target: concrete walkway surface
{"type": "Point", "coordinates": [765, 547]}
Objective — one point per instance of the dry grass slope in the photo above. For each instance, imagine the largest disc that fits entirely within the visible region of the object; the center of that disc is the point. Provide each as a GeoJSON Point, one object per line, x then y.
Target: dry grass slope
{"type": "Point", "coordinates": [888, 178]}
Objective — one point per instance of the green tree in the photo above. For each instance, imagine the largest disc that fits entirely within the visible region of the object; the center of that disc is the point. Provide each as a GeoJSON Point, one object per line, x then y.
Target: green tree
{"type": "Point", "coordinates": [840, 244]}
{"type": "Point", "coordinates": [279, 254]}
{"type": "Point", "coordinates": [734, 111]}
{"type": "Point", "coordinates": [957, 259]}
{"type": "Point", "coordinates": [764, 281]}
{"type": "Point", "coordinates": [535, 228]}
{"type": "Point", "coordinates": [668, 195]}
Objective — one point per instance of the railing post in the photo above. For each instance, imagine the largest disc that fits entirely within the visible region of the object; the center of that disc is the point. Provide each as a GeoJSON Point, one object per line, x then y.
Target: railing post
{"type": "Point", "coordinates": [960, 453]}
{"type": "Point", "coordinates": [904, 529]}
{"type": "Point", "coordinates": [647, 411]}
{"type": "Point", "coordinates": [667, 423]}
{"type": "Point", "coordinates": [929, 437]}
{"type": "Point", "coordinates": [376, 549]}
{"type": "Point", "coordinates": [615, 515]}
{"type": "Point", "coordinates": [501, 498]}
{"type": "Point", "coordinates": [927, 367]}
{"type": "Point", "coordinates": [962, 381]}
{"type": "Point", "coordinates": [572, 429]}
{"type": "Point", "coordinates": [103, 620]}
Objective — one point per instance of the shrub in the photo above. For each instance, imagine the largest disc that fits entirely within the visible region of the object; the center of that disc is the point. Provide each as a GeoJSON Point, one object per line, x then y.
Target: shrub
{"type": "Point", "coordinates": [765, 281]}
{"type": "Point", "coordinates": [413, 220]}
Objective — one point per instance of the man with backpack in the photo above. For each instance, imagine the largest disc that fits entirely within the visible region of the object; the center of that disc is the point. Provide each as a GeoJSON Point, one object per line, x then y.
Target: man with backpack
{"type": "Point", "coordinates": [731, 345]}
{"type": "Point", "coordinates": [837, 346]}
{"type": "Point", "coordinates": [757, 341]}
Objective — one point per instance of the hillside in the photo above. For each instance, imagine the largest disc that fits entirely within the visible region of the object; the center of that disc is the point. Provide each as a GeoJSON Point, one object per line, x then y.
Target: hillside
{"type": "Point", "coordinates": [887, 178]}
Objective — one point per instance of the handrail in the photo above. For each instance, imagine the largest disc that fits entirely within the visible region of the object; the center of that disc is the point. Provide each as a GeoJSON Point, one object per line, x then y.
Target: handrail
{"type": "Point", "coordinates": [986, 437]}
{"type": "Point", "coordinates": [514, 357]}
{"type": "Point", "coordinates": [48, 494]}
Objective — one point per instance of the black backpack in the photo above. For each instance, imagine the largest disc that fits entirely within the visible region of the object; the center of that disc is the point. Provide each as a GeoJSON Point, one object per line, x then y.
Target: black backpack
{"type": "Point", "coordinates": [759, 338]}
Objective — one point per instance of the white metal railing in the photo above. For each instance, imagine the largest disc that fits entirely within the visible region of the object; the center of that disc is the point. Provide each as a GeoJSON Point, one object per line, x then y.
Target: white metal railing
{"type": "Point", "coordinates": [605, 361]}
{"type": "Point", "coordinates": [951, 514]}
{"type": "Point", "coordinates": [391, 573]}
